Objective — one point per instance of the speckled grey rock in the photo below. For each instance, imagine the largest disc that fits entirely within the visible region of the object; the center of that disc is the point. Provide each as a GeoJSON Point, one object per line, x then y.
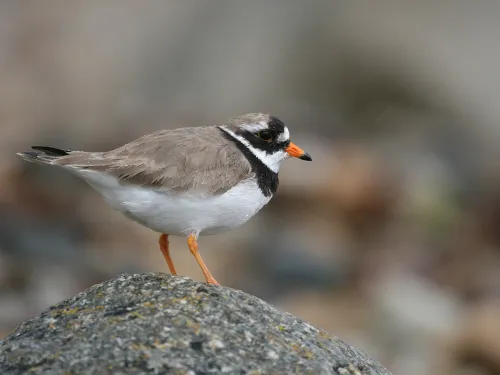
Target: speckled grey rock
{"type": "Point", "coordinates": [160, 324]}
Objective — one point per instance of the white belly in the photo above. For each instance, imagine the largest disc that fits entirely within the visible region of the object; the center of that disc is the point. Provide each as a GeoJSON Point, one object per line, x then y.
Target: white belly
{"type": "Point", "coordinates": [181, 214]}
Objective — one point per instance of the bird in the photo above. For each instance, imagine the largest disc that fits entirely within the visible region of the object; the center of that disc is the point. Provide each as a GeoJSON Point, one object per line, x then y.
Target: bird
{"type": "Point", "coordinates": [190, 181]}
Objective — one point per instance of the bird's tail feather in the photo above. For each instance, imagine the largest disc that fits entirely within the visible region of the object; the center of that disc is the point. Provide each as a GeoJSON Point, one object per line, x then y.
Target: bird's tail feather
{"type": "Point", "coordinates": [43, 154]}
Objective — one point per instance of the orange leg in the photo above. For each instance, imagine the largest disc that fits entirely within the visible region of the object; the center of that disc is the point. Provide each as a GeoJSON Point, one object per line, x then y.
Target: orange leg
{"type": "Point", "coordinates": [193, 247]}
{"type": "Point", "coordinates": [166, 254]}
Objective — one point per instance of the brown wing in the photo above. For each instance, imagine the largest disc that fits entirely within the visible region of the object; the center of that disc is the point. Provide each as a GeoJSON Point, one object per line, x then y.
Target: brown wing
{"type": "Point", "coordinates": [182, 160]}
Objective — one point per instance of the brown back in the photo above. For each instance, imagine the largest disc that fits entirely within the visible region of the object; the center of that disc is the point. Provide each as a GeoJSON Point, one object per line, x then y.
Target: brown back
{"type": "Point", "coordinates": [188, 160]}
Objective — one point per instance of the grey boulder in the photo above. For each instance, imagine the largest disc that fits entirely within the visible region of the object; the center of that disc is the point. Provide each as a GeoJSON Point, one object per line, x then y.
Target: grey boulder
{"type": "Point", "coordinates": [161, 324]}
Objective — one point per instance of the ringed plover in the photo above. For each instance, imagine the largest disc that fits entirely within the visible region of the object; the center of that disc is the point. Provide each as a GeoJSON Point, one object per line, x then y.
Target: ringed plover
{"type": "Point", "coordinates": [187, 181]}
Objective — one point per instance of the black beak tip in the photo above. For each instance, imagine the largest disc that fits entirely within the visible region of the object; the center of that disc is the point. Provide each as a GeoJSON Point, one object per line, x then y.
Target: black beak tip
{"type": "Point", "coordinates": [306, 156]}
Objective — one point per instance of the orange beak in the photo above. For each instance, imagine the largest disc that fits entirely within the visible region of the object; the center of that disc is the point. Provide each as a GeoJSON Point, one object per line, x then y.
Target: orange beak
{"type": "Point", "coordinates": [297, 152]}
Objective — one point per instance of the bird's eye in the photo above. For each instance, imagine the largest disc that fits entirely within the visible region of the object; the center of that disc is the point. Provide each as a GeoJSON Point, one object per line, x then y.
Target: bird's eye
{"type": "Point", "coordinates": [265, 135]}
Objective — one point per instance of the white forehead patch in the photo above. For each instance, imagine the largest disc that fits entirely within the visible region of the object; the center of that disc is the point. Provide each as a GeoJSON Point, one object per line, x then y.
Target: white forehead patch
{"type": "Point", "coordinates": [285, 136]}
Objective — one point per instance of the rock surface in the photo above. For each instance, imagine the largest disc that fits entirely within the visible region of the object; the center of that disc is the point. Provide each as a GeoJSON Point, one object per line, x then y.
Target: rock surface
{"type": "Point", "coordinates": [157, 323]}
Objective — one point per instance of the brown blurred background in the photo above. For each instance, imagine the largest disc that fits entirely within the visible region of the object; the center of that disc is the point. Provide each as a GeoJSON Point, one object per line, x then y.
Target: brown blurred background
{"type": "Point", "coordinates": [389, 238]}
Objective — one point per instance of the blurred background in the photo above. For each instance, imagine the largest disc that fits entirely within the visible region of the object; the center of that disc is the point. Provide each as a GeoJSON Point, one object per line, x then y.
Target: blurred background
{"type": "Point", "coordinates": [389, 239]}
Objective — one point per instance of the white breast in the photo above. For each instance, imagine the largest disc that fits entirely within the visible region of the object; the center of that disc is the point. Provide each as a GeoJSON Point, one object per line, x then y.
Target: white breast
{"type": "Point", "coordinates": [180, 214]}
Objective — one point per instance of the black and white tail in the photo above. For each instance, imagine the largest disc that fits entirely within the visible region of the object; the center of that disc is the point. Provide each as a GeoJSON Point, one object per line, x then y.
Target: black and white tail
{"type": "Point", "coordinates": [43, 154]}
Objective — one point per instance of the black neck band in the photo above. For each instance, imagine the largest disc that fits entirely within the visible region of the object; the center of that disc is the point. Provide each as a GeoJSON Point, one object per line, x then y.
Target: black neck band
{"type": "Point", "coordinates": [267, 180]}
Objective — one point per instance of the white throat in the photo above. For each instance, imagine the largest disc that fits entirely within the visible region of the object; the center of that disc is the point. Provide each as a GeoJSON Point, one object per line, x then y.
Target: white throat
{"type": "Point", "coordinates": [272, 161]}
